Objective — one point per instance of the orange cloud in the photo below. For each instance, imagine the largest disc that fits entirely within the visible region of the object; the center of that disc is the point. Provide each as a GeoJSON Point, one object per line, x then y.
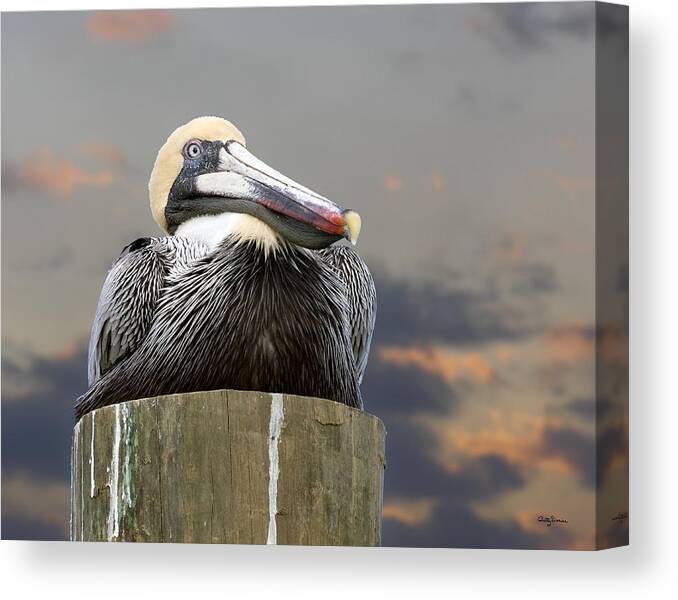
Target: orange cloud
{"type": "Point", "coordinates": [106, 153]}
{"type": "Point", "coordinates": [578, 247]}
{"type": "Point", "coordinates": [575, 343]}
{"type": "Point", "coordinates": [392, 182]}
{"type": "Point", "coordinates": [504, 353]}
{"type": "Point", "coordinates": [61, 177]}
{"type": "Point", "coordinates": [410, 512]}
{"type": "Point", "coordinates": [520, 450]}
{"type": "Point", "coordinates": [572, 185]}
{"type": "Point", "coordinates": [524, 446]}
{"type": "Point", "coordinates": [69, 351]}
{"type": "Point", "coordinates": [475, 24]}
{"type": "Point", "coordinates": [451, 366]}
{"type": "Point", "coordinates": [585, 541]}
{"type": "Point", "coordinates": [572, 143]}
{"type": "Point", "coordinates": [437, 181]}
{"type": "Point", "coordinates": [129, 26]}
{"type": "Point", "coordinates": [569, 344]}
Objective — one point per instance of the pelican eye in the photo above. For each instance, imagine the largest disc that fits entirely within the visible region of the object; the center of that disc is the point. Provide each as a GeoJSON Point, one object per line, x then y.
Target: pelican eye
{"type": "Point", "coordinates": [192, 149]}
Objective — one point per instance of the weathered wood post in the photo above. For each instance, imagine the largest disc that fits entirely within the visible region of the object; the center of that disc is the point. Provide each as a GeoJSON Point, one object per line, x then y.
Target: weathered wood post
{"type": "Point", "coordinates": [228, 467]}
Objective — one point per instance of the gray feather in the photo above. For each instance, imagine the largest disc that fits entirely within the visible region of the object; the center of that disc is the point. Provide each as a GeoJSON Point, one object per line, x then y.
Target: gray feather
{"type": "Point", "coordinates": [362, 299]}
{"type": "Point", "coordinates": [293, 321]}
{"type": "Point", "coordinates": [130, 295]}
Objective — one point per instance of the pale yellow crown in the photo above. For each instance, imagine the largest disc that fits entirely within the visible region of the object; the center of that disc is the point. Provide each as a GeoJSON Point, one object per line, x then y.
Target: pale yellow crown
{"type": "Point", "coordinates": [170, 160]}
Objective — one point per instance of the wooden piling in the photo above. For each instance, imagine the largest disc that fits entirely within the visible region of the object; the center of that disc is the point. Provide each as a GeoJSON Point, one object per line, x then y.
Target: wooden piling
{"type": "Point", "coordinates": [228, 467]}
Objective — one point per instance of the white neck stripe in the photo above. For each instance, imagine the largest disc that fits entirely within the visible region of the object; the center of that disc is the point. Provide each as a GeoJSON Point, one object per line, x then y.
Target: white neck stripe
{"type": "Point", "coordinates": [211, 230]}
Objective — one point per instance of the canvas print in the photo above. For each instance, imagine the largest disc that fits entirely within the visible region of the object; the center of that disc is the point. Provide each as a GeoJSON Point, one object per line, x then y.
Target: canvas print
{"type": "Point", "coordinates": [317, 275]}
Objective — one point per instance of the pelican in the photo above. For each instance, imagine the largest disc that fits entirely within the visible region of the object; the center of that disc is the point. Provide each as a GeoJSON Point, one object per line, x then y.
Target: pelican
{"type": "Point", "coordinates": [248, 290]}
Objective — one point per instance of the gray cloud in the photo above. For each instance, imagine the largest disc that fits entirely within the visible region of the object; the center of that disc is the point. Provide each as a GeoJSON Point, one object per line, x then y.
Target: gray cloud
{"type": "Point", "coordinates": [576, 448]}
{"type": "Point", "coordinates": [531, 26]}
{"type": "Point", "coordinates": [535, 26]}
{"type": "Point", "coordinates": [477, 102]}
{"type": "Point", "coordinates": [589, 407]}
{"type": "Point", "coordinates": [533, 278]}
{"type": "Point", "coordinates": [391, 390]}
{"type": "Point", "coordinates": [58, 258]}
{"type": "Point", "coordinates": [397, 394]}
{"type": "Point", "coordinates": [456, 524]}
{"type": "Point", "coordinates": [37, 423]}
{"type": "Point", "coordinates": [613, 443]}
{"type": "Point", "coordinates": [432, 312]}
{"type": "Point", "coordinates": [412, 470]}
{"type": "Point", "coordinates": [612, 29]}
{"type": "Point", "coordinates": [14, 528]}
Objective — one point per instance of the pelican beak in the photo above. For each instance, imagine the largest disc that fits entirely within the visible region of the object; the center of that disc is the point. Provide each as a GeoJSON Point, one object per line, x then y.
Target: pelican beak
{"type": "Point", "coordinates": [301, 215]}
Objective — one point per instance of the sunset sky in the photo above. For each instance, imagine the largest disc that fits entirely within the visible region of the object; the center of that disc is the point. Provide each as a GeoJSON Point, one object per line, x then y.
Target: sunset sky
{"type": "Point", "coordinates": [464, 135]}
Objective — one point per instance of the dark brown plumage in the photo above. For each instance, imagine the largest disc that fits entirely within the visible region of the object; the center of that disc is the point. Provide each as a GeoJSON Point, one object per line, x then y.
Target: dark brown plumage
{"type": "Point", "coordinates": [290, 320]}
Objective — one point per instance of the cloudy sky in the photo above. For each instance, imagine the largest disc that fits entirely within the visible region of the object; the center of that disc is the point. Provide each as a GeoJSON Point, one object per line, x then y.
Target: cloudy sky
{"type": "Point", "coordinates": [464, 135]}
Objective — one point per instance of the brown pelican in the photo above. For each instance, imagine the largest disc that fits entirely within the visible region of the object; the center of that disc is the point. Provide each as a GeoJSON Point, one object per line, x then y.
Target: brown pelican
{"type": "Point", "coordinates": [248, 291]}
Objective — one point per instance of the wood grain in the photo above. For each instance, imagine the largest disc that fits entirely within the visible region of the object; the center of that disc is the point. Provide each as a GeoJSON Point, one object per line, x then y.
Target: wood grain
{"type": "Point", "coordinates": [199, 468]}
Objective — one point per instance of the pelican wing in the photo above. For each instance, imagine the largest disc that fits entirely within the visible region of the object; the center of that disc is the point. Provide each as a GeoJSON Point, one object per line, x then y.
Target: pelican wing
{"type": "Point", "coordinates": [362, 299]}
{"type": "Point", "coordinates": [129, 297]}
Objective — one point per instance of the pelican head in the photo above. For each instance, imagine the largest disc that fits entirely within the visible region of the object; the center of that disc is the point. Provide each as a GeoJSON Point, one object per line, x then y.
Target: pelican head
{"type": "Point", "coordinates": [206, 184]}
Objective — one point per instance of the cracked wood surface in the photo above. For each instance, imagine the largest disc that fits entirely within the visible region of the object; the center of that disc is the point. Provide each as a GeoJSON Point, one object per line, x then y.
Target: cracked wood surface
{"type": "Point", "coordinates": [195, 468]}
